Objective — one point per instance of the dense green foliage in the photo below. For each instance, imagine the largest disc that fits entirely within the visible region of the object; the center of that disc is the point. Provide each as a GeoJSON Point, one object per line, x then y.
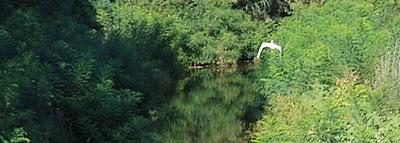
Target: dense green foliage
{"type": "Point", "coordinates": [103, 70]}
{"type": "Point", "coordinates": [96, 70]}
{"type": "Point", "coordinates": [62, 81]}
{"type": "Point", "coordinates": [321, 41]}
{"type": "Point", "coordinates": [338, 78]}
{"type": "Point", "coordinates": [202, 32]}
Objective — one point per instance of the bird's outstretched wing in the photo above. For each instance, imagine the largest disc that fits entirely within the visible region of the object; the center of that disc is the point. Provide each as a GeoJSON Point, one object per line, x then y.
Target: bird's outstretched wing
{"type": "Point", "coordinates": [268, 45]}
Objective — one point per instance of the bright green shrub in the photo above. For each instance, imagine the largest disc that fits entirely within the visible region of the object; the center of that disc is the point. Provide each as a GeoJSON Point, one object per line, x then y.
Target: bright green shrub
{"type": "Point", "coordinates": [318, 42]}
{"type": "Point", "coordinates": [18, 136]}
{"type": "Point", "coordinates": [201, 32]}
{"type": "Point", "coordinates": [348, 112]}
{"type": "Point", "coordinates": [311, 100]}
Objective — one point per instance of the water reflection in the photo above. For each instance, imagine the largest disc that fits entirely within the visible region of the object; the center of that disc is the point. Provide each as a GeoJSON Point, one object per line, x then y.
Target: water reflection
{"type": "Point", "coordinates": [213, 105]}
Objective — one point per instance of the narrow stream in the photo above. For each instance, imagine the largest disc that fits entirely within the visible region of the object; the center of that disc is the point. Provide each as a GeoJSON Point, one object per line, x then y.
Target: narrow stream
{"type": "Point", "coordinates": [214, 106]}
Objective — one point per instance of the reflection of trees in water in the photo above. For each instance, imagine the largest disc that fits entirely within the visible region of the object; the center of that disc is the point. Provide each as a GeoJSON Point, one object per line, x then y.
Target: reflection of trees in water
{"type": "Point", "coordinates": [212, 106]}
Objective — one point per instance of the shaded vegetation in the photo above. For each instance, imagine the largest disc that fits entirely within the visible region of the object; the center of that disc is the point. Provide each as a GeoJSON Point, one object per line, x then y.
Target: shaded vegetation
{"type": "Point", "coordinates": [62, 81]}
{"type": "Point", "coordinates": [95, 70]}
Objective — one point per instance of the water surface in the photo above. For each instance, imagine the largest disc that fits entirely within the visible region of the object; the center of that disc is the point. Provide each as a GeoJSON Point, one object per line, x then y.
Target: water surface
{"type": "Point", "coordinates": [214, 105]}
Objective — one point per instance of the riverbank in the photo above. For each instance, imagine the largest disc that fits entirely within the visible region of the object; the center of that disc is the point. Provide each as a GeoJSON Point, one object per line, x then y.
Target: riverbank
{"type": "Point", "coordinates": [338, 78]}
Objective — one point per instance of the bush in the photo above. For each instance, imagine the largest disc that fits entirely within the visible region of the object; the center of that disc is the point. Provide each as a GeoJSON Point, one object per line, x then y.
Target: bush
{"type": "Point", "coordinates": [311, 100]}
{"type": "Point", "coordinates": [347, 112]}
{"type": "Point", "coordinates": [319, 42]}
{"type": "Point", "coordinates": [202, 32]}
{"type": "Point", "coordinates": [63, 81]}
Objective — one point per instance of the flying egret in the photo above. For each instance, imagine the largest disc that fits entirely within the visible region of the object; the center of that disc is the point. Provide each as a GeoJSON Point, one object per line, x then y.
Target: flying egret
{"type": "Point", "coordinates": [270, 45]}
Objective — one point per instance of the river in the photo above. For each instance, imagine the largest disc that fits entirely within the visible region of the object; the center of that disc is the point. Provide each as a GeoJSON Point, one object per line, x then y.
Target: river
{"type": "Point", "coordinates": [214, 105]}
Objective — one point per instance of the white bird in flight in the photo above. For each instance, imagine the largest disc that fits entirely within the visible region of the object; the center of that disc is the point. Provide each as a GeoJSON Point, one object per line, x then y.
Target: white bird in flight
{"type": "Point", "coordinates": [270, 45]}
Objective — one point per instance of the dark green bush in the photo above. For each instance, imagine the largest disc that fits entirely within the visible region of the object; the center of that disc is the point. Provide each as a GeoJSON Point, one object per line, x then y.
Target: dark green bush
{"type": "Point", "coordinates": [63, 80]}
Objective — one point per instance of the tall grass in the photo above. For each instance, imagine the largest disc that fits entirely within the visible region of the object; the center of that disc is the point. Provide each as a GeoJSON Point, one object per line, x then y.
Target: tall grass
{"type": "Point", "coordinates": [389, 66]}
